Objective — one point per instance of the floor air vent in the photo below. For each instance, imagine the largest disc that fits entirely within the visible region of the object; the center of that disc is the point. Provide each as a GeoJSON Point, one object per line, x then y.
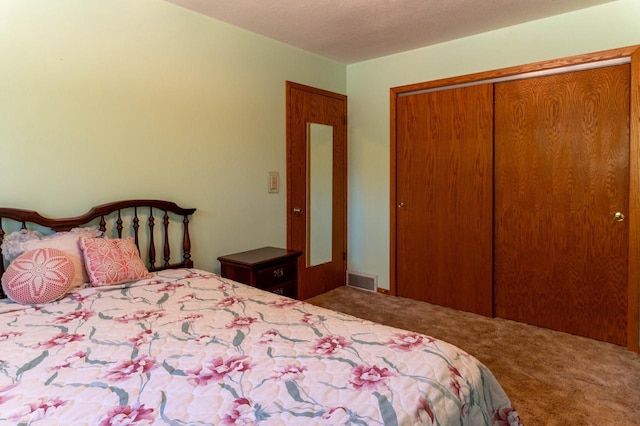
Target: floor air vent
{"type": "Point", "coordinates": [362, 281]}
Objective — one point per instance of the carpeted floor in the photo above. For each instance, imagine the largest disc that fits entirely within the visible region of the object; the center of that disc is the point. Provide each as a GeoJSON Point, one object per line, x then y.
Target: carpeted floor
{"type": "Point", "coordinates": [552, 378]}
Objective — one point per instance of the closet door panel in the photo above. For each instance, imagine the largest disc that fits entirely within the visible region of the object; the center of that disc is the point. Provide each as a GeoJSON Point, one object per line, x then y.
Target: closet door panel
{"type": "Point", "coordinates": [444, 189]}
{"type": "Point", "coordinates": [561, 174]}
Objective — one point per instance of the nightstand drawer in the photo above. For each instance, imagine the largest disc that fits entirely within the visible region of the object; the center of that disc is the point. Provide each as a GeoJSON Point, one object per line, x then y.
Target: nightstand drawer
{"type": "Point", "coordinates": [288, 289]}
{"type": "Point", "coordinates": [276, 274]}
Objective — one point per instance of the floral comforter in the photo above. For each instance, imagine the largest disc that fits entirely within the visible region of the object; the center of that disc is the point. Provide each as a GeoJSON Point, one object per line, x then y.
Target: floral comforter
{"type": "Point", "coordinates": [189, 347]}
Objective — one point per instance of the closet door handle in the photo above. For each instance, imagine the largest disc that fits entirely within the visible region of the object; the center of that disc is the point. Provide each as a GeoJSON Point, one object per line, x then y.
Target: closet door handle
{"type": "Point", "coordinates": [400, 205]}
{"type": "Point", "coordinates": [618, 216]}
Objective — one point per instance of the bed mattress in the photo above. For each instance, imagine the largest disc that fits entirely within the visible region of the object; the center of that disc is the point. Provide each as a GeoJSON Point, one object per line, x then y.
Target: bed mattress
{"type": "Point", "coordinates": [189, 347]}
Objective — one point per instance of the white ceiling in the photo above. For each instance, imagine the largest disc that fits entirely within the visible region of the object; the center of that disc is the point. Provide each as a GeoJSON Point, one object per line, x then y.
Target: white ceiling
{"type": "Point", "coordinates": [350, 31]}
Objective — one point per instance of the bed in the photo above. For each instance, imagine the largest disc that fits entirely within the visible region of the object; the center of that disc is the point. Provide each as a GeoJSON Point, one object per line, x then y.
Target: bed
{"type": "Point", "coordinates": [179, 345]}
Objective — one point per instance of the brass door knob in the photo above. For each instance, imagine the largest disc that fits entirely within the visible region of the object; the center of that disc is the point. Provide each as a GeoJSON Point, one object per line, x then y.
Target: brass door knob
{"type": "Point", "coordinates": [618, 216]}
{"type": "Point", "coordinates": [297, 210]}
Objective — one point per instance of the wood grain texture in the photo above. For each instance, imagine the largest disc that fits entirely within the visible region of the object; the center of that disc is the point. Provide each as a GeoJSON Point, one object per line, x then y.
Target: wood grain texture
{"type": "Point", "coordinates": [310, 105]}
{"type": "Point", "coordinates": [393, 193]}
{"type": "Point", "coordinates": [520, 69]}
{"type": "Point", "coordinates": [633, 323]}
{"type": "Point", "coordinates": [632, 52]}
{"type": "Point", "coordinates": [562, 171]}
{"type": "Point", "coordinates": [444, 185]}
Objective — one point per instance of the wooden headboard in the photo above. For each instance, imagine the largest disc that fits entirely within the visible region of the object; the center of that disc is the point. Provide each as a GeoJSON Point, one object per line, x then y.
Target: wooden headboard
{"type": "Point", "coordinates": [134, 211]}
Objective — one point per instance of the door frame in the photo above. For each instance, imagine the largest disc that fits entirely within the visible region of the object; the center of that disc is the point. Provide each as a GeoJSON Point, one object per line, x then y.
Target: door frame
{"type": "Point", "coordinates": [630, 52]}
{"type": "Point", "coordinates": [342, 203]}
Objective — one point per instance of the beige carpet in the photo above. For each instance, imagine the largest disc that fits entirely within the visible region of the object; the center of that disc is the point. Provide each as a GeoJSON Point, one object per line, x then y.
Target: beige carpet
{"type": "Point", "coordinates": [552, 378]}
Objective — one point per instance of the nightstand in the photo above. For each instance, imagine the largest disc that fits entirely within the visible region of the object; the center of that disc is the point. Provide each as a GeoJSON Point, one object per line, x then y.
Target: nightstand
{"type": "Point", "coordinates": [268, 268]}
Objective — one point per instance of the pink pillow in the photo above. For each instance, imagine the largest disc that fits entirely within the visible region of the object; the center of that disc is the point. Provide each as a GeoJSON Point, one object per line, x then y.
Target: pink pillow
{"type": "Point", "coordinates": [68, 243]}
{"type": "Point", "coordinates": [38, 276]}
{"type": "Point", "coordinates": [112, 261]}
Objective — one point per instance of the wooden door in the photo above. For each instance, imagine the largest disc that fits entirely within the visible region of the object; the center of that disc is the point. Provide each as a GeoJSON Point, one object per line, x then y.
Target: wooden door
{"type": "Point", "coordinates": [562, 173]}
{"type": "Point", "coordinates": [308, 107]}
{"type": "Point", "coordinates": [444, 197]}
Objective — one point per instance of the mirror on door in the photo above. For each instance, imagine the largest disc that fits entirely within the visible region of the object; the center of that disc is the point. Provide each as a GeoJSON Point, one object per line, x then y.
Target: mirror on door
{"type": "Point", "coordinates": [319, 194]}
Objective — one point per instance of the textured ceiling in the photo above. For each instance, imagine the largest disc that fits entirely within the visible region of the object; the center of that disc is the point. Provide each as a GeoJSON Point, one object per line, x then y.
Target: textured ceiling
{"type": "Point", "coordinates": [351, 31]}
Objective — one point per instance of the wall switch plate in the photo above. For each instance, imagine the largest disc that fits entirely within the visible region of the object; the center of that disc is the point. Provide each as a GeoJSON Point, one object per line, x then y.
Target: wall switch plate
{"type": "Point", "coordinates": [274, 182]}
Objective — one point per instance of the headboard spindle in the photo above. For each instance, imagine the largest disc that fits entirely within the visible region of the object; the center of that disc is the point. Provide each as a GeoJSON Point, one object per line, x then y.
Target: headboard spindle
{"type": "Point", "coordinates": [165, 249]}
{"type": "Point", "coordinates": [119, 224]}
{"type": "Point", "coordinates": [136, 225]}
{"type": "Point", "coordinates": [186, 243]}
{"type": "Point", "coordinates": [152, 244]}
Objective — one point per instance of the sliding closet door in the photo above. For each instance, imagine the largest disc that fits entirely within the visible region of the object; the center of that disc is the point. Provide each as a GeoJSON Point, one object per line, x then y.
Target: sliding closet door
{"type": "Point", "coordinates": [444, 192]}
{"type": "Point", "coordinates": [561, 194]}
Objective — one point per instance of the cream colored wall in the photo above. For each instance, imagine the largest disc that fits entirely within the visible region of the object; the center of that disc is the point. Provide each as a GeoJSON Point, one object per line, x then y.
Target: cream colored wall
{"type": "Point", "coordinates": [603, 27]}
{"type": "Point", "coordinates": [107, 100]}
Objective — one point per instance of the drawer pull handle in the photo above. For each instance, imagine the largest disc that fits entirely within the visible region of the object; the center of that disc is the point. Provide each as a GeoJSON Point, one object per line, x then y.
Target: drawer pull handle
{"type": "Point", "coordinates": [279, 291]}
{"type": "Point", "coordinates": [278, 272]}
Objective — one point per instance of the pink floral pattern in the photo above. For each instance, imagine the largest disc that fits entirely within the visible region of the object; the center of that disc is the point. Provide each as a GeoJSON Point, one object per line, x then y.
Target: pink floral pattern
{"type": "Point", "coordinates": [240, 413]}
{"type": "Point", "coordinates": [8, 334]}
{"type": "Point", "coordinates": [38, 276]}
{"type": "Point", "coordinates": [289, 372]}
{"type": "Point", "coordinates": [455, 381]}
{"type": "Point", "coordinates": [312, 320]}
{"type": "Point", "coordinates": [283, 303]}
{"type": "Point", "coordinates": [187, 347]}
{"type": "Point", "coordinates": [82, 314]}
{"type": "Point", "coordinates": [127, 415]}
{"type": "Point", "coordinates": [506, 416]}
{"type": "Point", "coordinates": [112, 261]}
{"type": "Point", "coordinates": [3, 397]}
{"type": "Point", "coordinates": [141, 315]}
{"type": "Point", "coordinates": [203, 339]}
{"type": "Point", "coordinates": [70, 360]}
{"type": "Point", "coordinates": [330, 345]}
{"type": "Point", "coordinates": [455, 387]}
{"type": "Point", "coordinates": [337, 416]}
{"type": "Point", "coordinates": [132, 367]}
{"type": "Point", "coordinates": [268, 336]}
{"type": "Point", "coordinates": [141, 338]}
{"type": "Point", "coordinates": [424, 414]}
{"type": "Point", "coordinates": [191, 318]}
{"type": "Point", "coordinates": [229, 301]}
{"type": "Point", "coordinates": [187, 298]}
{"type": "Point", "coordinates": [370, 378]}
{"type": "Point", "coordinates": [60, 339]}
{"type": "Point", "coordinates": [217, 369]}
{"type": "Point", "coordinates": [40, 409]}
{"type": "Point", "coordinates": [169, 287]}
{"type": "Point", "coordinates": [241, 322]}
{"type": "Point", "coordinates": [78, 297]}
{"type": "Point", "coordinates": [406, 341]}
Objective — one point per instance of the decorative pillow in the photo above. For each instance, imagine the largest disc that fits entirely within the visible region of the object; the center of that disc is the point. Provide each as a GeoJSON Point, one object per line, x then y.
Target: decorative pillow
{"type": "Point", "coordinates": [68, 242]}
{"type": "Point", "coordinates": [13, 243]}
{"type": "Point", "coordinates": [112, 261]}
{"type": "Point", "coordinates": [38, 276]}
